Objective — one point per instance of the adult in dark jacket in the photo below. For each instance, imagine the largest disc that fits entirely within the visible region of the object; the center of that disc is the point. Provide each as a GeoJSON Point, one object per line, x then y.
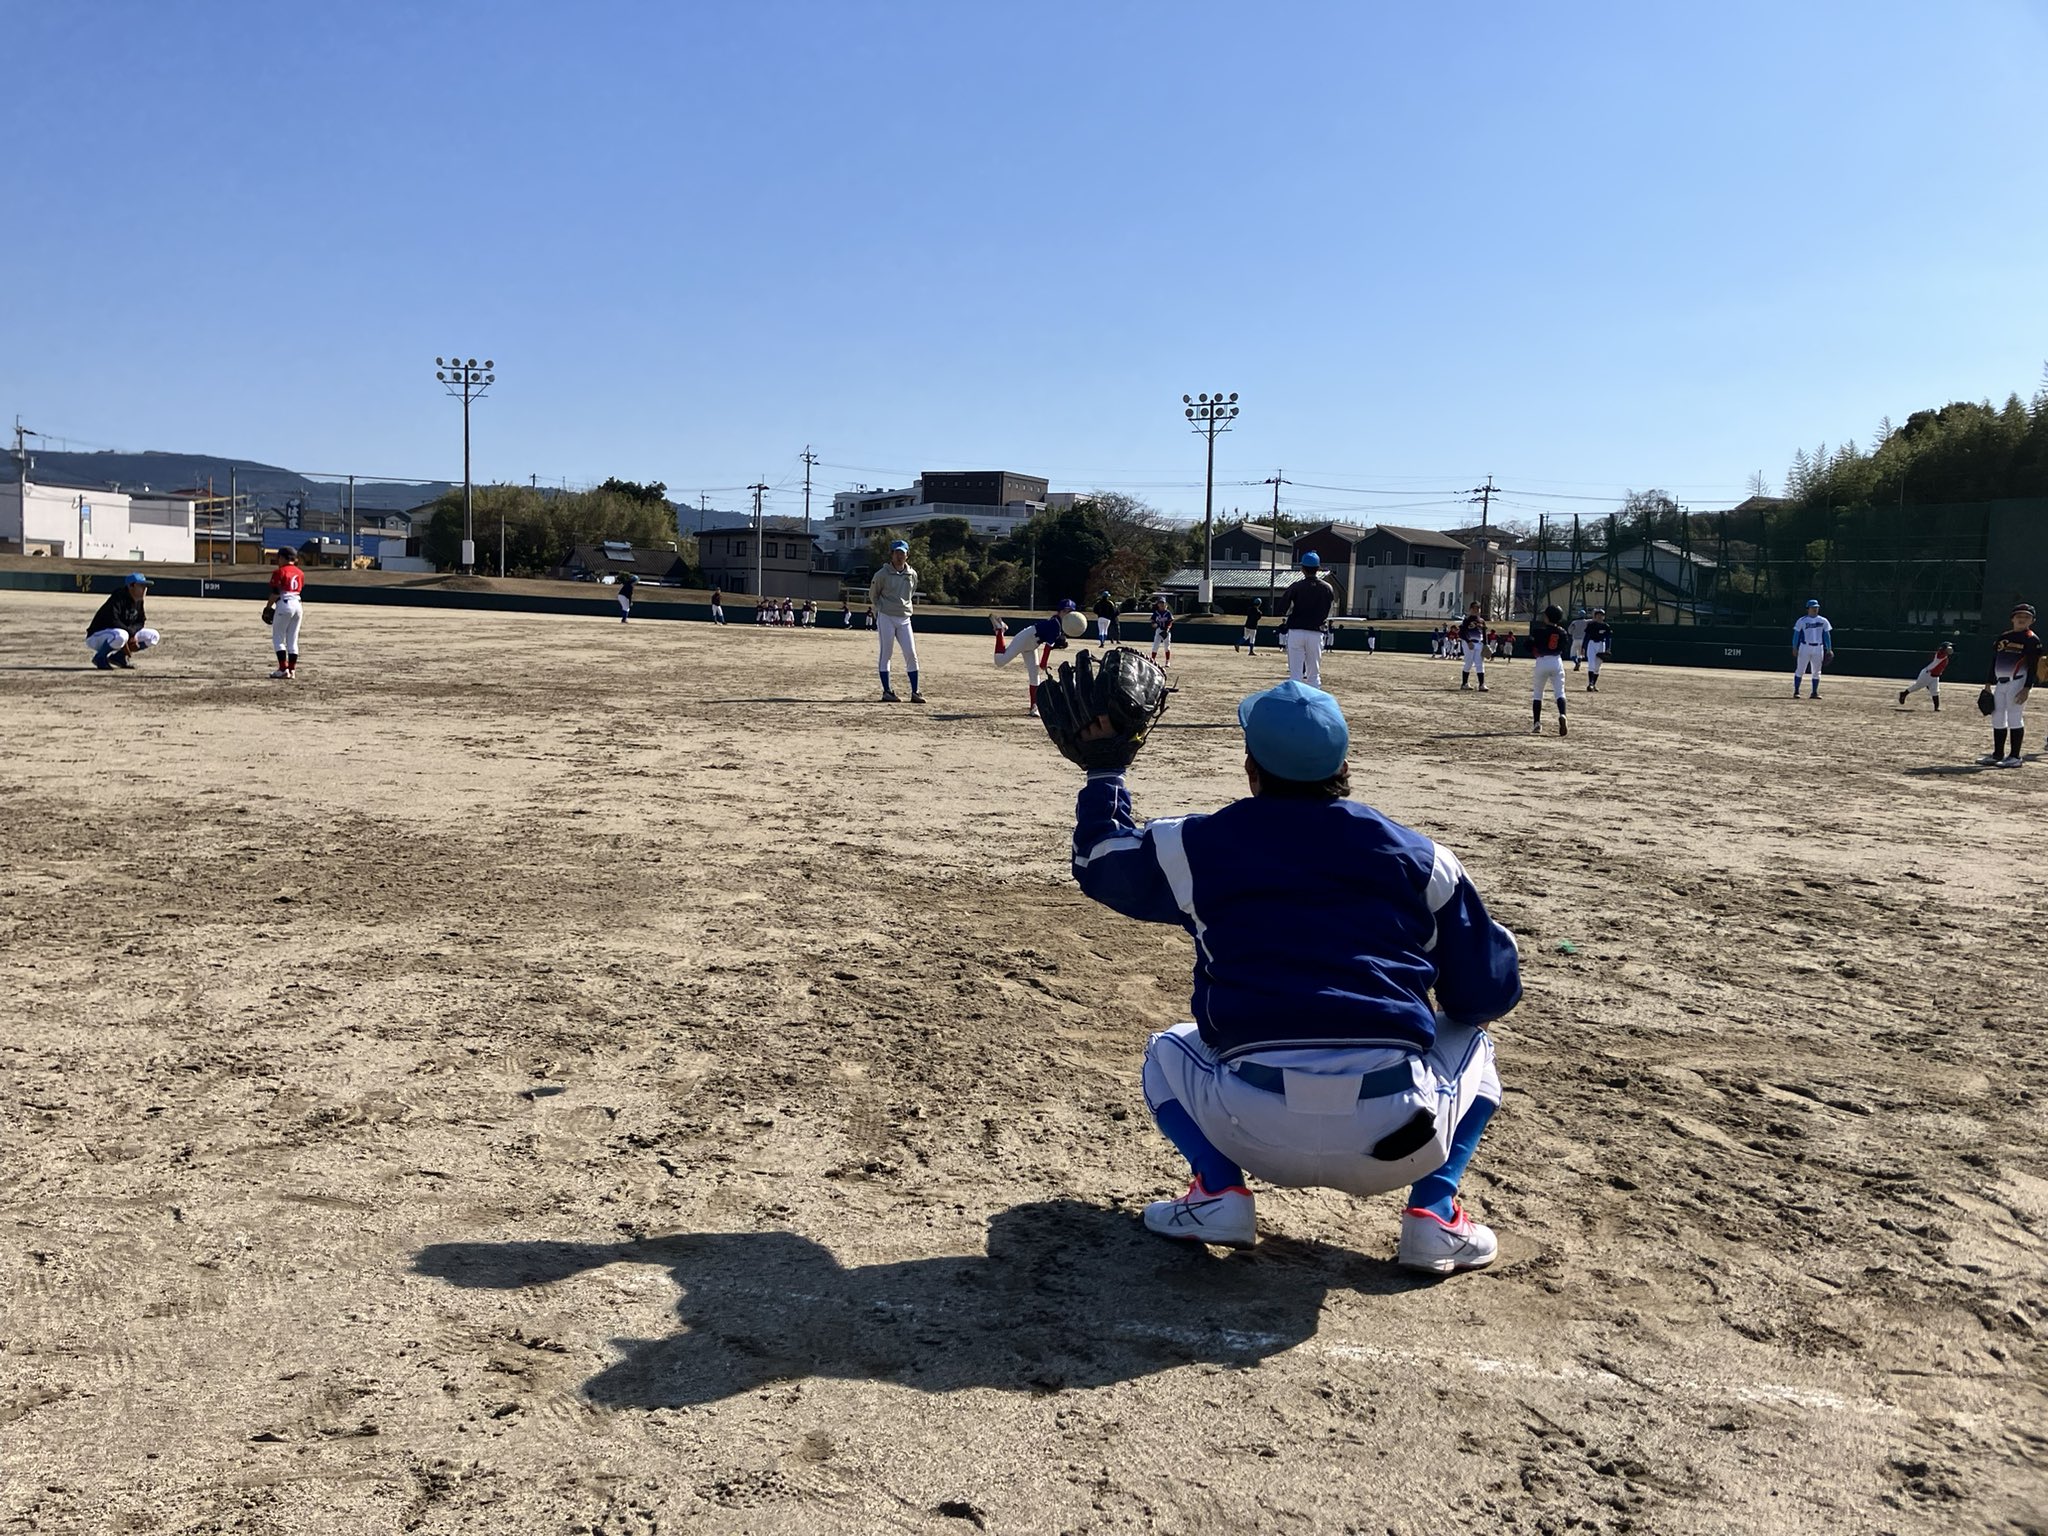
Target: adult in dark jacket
{"type": "Point", "coordinates": [120, 628]}
{"type": "Point", "coordinates": [1105, 618]}
{"type": "Point", "coordinates": [1304, 610]}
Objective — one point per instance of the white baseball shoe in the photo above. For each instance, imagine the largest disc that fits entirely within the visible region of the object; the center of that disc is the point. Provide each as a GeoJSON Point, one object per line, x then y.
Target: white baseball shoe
{"type": "Point", "coordinates": [1990, 760]}
{"type": "Point", "coordinates": [280, 672]}
{"type": "Point", "coordinates": [1224, 1218]}
{"type": "Point", "coordinates": [1440, 1247]}
{"type": "Point", "coordinates": [2012, 761]}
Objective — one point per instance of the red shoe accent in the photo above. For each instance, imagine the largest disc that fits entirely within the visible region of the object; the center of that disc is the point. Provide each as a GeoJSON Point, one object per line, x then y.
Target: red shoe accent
{"type": "Point", "coordinates": [1459, 1219]}
{"type": "Point", "coordinates": [1229, 1189]}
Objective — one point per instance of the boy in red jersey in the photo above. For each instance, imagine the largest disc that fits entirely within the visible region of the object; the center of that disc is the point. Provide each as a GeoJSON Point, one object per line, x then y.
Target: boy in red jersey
{"type": "Point", "coordinates": [1930, 677]}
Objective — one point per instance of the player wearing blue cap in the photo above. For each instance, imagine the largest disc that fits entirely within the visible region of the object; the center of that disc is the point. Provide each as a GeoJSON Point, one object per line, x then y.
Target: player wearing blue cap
{"type": "Point", "coordinates": [1813, 641]}
{"type": "Point", "coordinates": [120, 628]}
{"type": "Point", "coordinates": [1034, 642]}
{"type": "Point", "coordinates": [1315, 1058]}
{"type": "Point", "coordinates": [1304, 610]}
{"type": "Point", "coordinates": [892, 599]}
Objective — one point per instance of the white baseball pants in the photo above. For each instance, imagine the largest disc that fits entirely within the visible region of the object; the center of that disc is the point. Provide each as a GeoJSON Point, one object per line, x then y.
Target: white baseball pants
{"type": "Point", "coordinates": [1101, 629]}
{"type": "Point", "coordinates": [1024, 643]}
{"type": "Point", "coordinates": [284, 625]}
{"type": "Point", "coordinates": [1315, 1134]}
{"type": "Point", "coordinates": [895, 631]}
{"type": "Point", "coordinates": [1475, 657]}
{"type": "Point", "coordinates": [1926, 680]}
{"type": "Point", "coordinates": [1548, 669]}
{"type": "Point", "coordinates": [2008, 704]}
{"type": "Point", "coordinates": [117, 639]}
{"type": "Point", "coordinates": [1810, 657]}
{"type": "Point", "coordinates": [1305, 656]}
{"type": "Point", "coordinates": [1594, 651]}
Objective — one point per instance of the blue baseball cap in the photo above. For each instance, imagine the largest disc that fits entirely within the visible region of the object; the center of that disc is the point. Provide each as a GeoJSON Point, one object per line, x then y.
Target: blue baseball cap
{"type": "Point", "coordinates": [899, 544]}
{"type": "Point", "coordinates": [1813, 602]}
{"type": "Point", "coordinates": [1295, 732]}
{"type": "Point", "coordinates": [137, 579]}
{"type": "Point", "coordinates": [1309, 562]}
{"type": "Point", "coordinates": [1067, 605]}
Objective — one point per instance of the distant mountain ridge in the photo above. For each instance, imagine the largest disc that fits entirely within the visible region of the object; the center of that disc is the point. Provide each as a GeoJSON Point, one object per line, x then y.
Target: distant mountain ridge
{"type": "Point", "coordinates": [266, 484]}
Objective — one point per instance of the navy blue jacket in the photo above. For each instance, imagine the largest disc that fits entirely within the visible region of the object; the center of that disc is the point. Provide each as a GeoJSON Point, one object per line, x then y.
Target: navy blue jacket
{"type": "Point", "coordinates": [1316, 922]}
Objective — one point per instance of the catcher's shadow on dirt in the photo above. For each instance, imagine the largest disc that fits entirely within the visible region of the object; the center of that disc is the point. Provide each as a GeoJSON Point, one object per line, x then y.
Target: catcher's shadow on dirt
{"type": "Point", "coordinates": [1068, 1295]}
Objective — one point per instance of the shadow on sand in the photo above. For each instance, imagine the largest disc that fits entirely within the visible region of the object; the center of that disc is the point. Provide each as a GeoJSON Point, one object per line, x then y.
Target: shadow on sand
{"type": "Point", "coordinates": [1068, 1295]}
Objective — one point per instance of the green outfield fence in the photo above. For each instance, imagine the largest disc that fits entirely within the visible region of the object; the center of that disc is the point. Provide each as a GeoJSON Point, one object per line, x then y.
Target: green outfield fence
{"type": "Point", "coordinates": [1859, 652]}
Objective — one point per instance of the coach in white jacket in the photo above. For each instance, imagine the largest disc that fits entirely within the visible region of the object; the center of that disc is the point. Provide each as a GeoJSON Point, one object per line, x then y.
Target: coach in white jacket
{"type": "Point", "coordinates": [893, 594]}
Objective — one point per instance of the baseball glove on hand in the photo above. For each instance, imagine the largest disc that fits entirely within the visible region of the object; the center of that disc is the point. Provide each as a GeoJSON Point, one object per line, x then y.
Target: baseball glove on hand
{"type": "Point", "coordinates": [1985, 702]}
{"type": "Point", "coordinates": [269, 612]}
{"type": "Point", "coordinates": [1099, 713]}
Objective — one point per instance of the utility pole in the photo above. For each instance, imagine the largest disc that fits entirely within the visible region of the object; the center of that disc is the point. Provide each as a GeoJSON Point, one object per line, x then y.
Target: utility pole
{"type": "Point", "coordinates": [466, 382]}
{"type": "Point", "coordinates": [1275, 480]}
{"type": "Point", "coordinates": [1210, 415]}
{"type": "Point", "coordinates": [809, 459]}
{"type": "Point", "coordinates": [21, 470]}
{"type": "Point", "coordinates": [760, 590]}
{"type": "Point", "coordinates": [1484, 494]}
{"type": "Point", "coordinates": [234, 511]}
{"type": "Point", "coordinates": [703, 515]}
{"type": "Point", "coordinates": [352, 522]}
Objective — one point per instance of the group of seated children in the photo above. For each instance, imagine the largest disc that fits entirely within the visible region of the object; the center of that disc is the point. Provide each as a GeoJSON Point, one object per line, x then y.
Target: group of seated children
{"type": "Point", "coordinates": [787, 613]}
{"type": "Point", "coordinates": [1443, 641]}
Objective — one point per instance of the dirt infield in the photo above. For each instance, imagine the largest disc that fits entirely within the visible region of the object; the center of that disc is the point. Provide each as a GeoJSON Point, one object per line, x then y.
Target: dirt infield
{"type": "Point", "coordinates": [544, 1075]}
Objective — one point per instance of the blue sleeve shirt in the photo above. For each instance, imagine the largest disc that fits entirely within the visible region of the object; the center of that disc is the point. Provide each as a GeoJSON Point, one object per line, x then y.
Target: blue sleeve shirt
{"type": "Point", "coordinates": [1812, 629]}
{"type": "Point", "coordinates": [1316, 923]}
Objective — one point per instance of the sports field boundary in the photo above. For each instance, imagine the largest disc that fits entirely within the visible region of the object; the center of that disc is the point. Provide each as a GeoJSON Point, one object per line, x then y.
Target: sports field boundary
{"type": "Point", "coordinates": [1859, 653]}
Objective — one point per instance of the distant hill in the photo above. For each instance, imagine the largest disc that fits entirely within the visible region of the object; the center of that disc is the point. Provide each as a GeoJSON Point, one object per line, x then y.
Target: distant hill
{"type": "Point", "coordinates": [267, 484]}
{"type": "Point", "coordinates": [270, 487]}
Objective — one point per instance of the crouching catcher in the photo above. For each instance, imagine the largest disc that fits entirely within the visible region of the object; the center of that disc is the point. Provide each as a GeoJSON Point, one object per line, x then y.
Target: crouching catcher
{"type": "Point", "coordinates": [1322, 930]}
{"type": "Point", "coordinates": [121, 628]}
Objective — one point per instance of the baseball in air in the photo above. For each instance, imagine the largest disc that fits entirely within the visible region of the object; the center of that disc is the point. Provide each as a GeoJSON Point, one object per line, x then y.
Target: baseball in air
{"type": "Point", "coordinates": [1074, 624]}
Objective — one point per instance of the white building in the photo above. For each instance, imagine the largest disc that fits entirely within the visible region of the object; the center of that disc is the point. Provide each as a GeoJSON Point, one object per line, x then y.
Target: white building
{"type": "Point", "coordinates": [860, 512]}
{"type": "Point", "coordinates": [38, 519]}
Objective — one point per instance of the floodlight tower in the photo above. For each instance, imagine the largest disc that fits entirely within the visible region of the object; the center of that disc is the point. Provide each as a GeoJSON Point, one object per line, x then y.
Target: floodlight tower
{"type": "Point", "coordinates": [1209, 414]}
{"type": "Point", "coordinates": [465, 381]}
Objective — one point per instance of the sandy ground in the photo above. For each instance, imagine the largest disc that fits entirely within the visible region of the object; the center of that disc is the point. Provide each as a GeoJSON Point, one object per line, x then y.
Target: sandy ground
{"type": "Point", "coordinates": [543, 1075]}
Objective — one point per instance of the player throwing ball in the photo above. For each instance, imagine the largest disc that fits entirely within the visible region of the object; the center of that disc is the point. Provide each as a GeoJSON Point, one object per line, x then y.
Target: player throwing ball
{"type": "Point", "coordinates": [120, 628]}
{"type": "Point", "coordinates": [2017, 663]}
{"type": "Point", "coordinates": [287, 587]}
{"type": "Point", "coordinates": [1035, 642]}
{"type": "Point", "coordinates": [1316, 1058]}
{"type": "Point", "coordinates": [1930, 677]}
{"type": "Point", "coordinates": [1813, 646]}
{"type": "Point", "coordinates": [1304, 610]}
{"type": "Point", "coordinates": [892, 598]}
{"type": "Point", "coordinates": [1548, 642]}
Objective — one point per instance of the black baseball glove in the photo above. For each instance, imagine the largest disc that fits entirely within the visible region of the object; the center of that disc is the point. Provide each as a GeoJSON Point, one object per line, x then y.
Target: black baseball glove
{"type": "Point", "coordinates": [269, 612]}
{"type": "Point", "coordinates": [1985, 702]}
{"type": "Point", "coordinates": [1113, 702]}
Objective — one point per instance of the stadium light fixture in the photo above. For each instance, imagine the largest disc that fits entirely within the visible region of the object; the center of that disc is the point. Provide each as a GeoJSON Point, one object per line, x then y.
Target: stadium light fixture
{"type": "Point", "coordinates": [466, 382]}
{"type": "Point", "coordinates": [1209, 414]}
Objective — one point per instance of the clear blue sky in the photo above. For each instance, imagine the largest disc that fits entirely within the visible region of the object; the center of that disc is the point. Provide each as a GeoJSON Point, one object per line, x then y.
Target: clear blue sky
{"type": "Point", "coordinates": [1581, 247]}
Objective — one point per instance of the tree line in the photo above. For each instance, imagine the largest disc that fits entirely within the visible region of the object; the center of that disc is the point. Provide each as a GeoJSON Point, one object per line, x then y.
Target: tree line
{"type": "Point", "coordinates": [542, 527]}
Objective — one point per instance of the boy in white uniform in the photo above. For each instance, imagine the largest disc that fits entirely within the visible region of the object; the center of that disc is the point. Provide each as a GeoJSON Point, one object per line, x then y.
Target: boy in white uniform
{"type": "Point", "coordinates": [1813, 639]}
